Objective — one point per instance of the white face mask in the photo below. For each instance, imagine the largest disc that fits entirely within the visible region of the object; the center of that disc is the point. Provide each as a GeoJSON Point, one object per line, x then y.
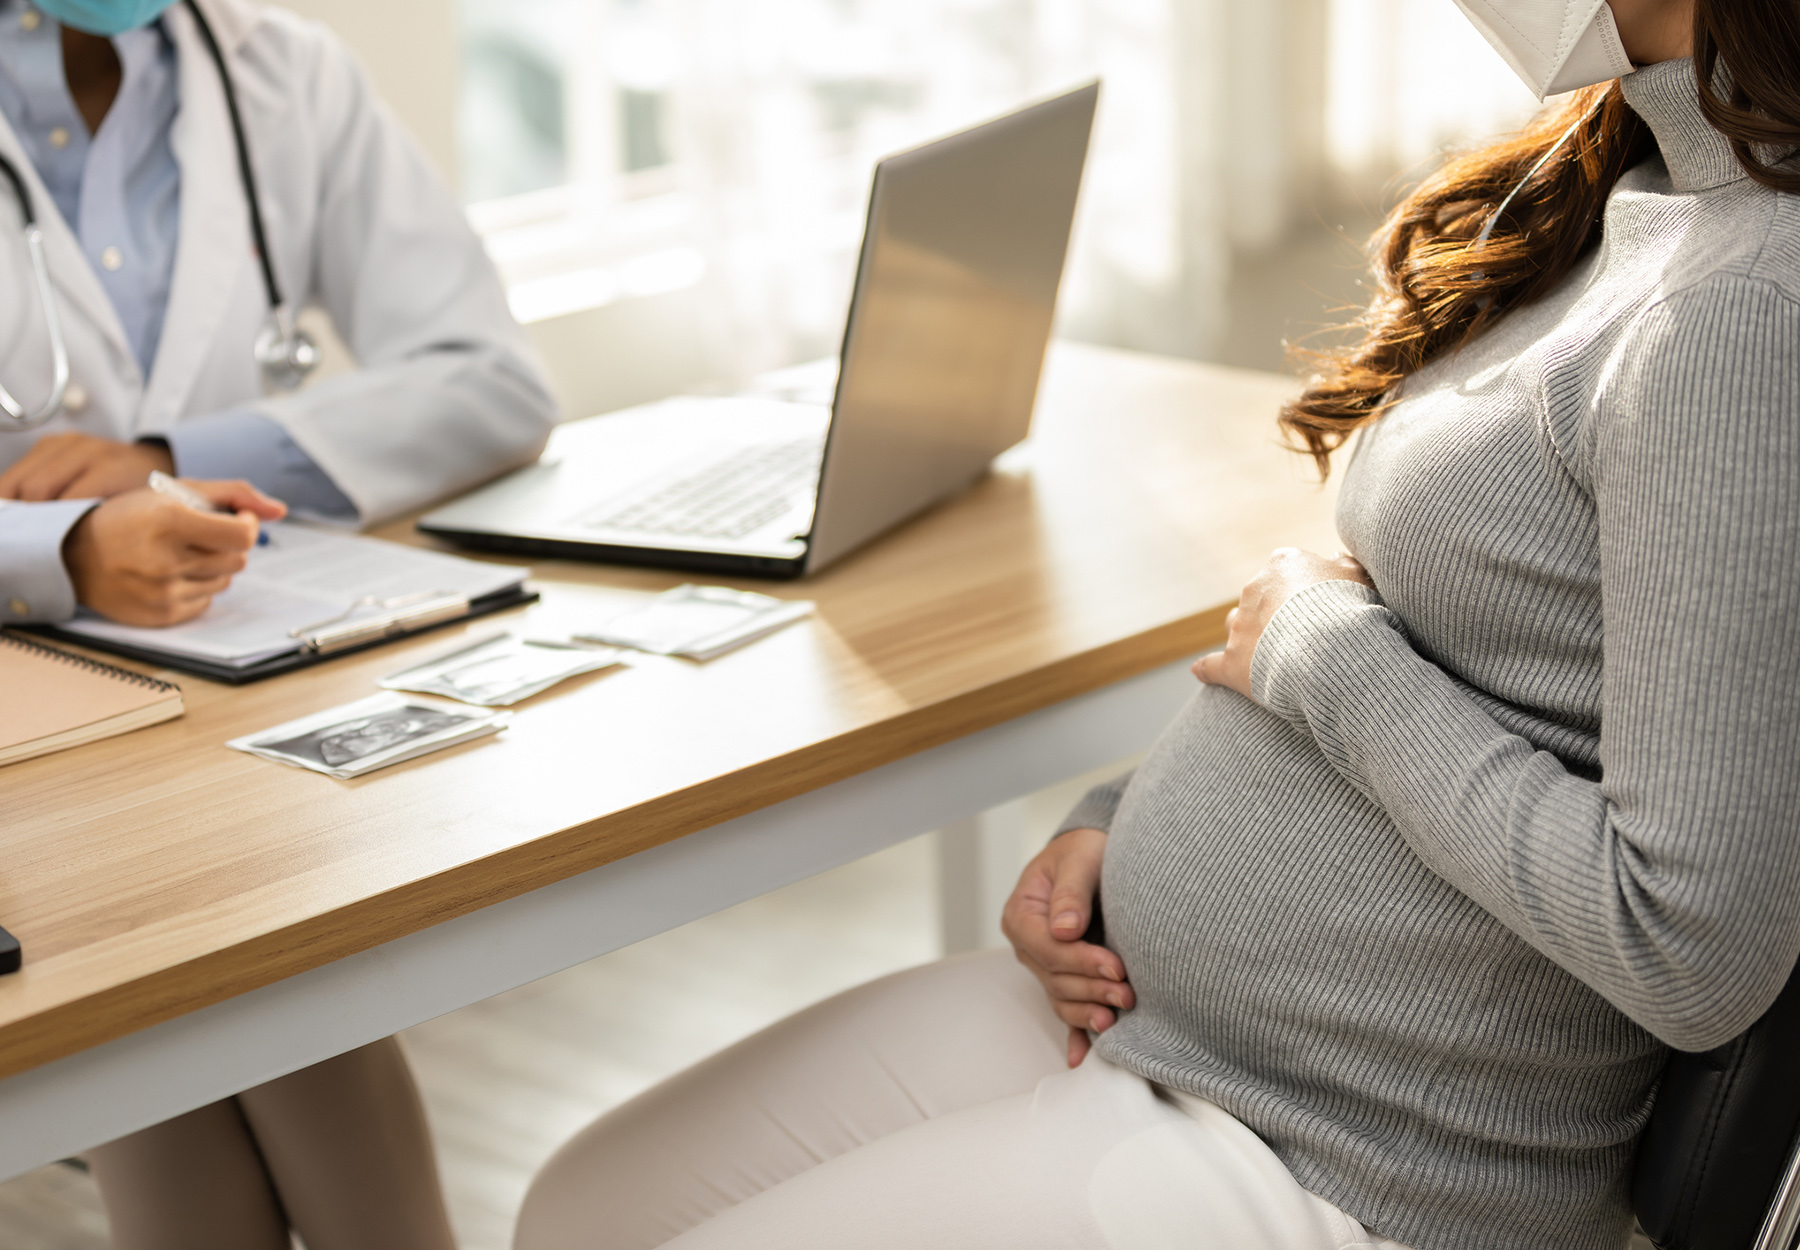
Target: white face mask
{"type": "Point", "coordinates": [1554, 45]}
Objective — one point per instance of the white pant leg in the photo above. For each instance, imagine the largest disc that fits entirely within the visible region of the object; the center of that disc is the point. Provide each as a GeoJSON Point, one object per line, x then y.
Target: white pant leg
{"type": "Point", "coordinates": [848, 1071]}
{"type": "Point", "coordinates": [1090, 1160]}
{"type": "Point", "coordinates": [931, 1108]}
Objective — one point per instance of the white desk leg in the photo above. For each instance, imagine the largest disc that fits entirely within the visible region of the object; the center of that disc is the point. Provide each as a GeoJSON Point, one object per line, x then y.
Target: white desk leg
{"type": "Point", "coordinates": [978, 860]}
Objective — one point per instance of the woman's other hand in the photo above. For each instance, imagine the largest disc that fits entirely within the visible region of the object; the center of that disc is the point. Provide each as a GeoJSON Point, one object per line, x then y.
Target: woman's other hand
{"type": "Point", "coordinates": [142, 558]}
{"type": "Point", "coordinates": [80, 466]}
{"type": "Point", "coordinates": [1045, 918]}
{"type": "Point", "coordinates": [1288, 570]}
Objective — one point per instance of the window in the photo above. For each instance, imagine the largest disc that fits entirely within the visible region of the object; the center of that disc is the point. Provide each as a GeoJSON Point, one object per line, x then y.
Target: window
{"type": "Point", "coordinates": [1406, 79]}
{"type": "Point", "coordinates": [621, 148]}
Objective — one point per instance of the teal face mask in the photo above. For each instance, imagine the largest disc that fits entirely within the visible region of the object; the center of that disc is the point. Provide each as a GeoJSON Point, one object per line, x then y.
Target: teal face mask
{"type": "Point", "coordinates": [104, 17]}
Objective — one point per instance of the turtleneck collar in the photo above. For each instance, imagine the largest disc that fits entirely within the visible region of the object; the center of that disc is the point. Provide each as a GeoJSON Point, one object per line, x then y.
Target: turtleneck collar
{"type": "Point", "coordinates": [1666, 97]}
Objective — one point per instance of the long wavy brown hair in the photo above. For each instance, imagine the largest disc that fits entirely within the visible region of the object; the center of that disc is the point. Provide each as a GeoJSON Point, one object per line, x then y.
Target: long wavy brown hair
{"type": "Point", "coordinates": [1436, 289]}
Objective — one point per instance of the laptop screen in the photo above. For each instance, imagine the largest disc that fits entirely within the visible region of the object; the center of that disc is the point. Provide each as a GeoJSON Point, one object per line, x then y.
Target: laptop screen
{"type": "Point", "coordinates": [951, 315]}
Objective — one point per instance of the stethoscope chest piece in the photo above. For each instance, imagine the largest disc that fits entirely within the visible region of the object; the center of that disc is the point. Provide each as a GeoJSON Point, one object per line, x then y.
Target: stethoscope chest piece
{"type": "Point", "coordinates": [286, 353]}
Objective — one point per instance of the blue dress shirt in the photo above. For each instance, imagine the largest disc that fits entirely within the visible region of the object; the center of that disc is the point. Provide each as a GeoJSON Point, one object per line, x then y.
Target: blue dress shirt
{"type": "Point", "coordinates": [120, 191]}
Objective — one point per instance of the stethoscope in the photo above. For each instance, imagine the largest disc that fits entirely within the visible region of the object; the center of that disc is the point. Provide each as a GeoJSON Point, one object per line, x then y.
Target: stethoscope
{"type": "Point", "coordinates": [286, 353]}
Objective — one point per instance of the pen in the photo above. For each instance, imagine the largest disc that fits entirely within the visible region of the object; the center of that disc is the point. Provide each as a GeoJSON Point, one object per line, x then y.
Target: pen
{"type": "Point", "coordinates": [163, 484]}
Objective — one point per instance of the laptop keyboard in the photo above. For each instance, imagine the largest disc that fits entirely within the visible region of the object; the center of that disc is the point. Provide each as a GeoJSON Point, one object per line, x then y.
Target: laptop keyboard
{"type": "Point", "coordinates": [728, 498]}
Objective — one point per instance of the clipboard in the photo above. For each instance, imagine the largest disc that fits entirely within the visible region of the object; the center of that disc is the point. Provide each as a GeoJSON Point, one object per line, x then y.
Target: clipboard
{"type": "Point", "coordinates": [309, 594]}
{"type": "Point", "coordinates": [309, 654]}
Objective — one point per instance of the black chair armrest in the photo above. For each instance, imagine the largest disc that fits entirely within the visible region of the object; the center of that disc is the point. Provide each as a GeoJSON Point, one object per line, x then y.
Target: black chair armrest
{"type": "Point", "coordinates": [1720, 1134]}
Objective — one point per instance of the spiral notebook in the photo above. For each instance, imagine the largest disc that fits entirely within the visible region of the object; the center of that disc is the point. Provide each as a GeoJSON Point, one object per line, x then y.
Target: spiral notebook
{"type": "Point", "coordinates": [54, 700]}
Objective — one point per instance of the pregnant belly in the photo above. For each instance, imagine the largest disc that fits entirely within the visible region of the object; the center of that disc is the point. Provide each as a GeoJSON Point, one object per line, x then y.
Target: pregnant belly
{"type": "Point", "coordinates": [1278, 928]}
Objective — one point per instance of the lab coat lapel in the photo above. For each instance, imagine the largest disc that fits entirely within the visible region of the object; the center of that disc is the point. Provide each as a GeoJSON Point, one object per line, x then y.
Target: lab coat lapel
{"type": "Point", "coordinates": [70, 273]}
{"type": "Point", "coordinates": [214, 244]}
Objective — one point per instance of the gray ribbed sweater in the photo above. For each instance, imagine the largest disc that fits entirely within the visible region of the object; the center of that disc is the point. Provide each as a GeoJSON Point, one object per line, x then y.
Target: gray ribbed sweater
{"type": "Point", "coordinates": [1426, 913]}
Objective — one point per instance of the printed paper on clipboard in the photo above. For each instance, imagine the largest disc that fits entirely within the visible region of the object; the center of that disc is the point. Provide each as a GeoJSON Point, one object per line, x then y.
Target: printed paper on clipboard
{"type": "Point", "coordinates": [313, 589]}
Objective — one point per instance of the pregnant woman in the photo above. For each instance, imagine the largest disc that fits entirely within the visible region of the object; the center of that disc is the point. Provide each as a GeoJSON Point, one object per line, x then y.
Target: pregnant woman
{"type": "Point", "coordinates": [1459, 835]}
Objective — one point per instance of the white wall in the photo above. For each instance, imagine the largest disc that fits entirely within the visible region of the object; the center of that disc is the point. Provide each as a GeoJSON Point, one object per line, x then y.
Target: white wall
{"type": "Point", "coordinates": [410, 49]}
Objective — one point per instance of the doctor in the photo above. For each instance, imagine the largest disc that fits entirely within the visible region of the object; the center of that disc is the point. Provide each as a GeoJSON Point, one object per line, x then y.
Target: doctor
{"type": "Point", "coordinates": [199, 173]}
{"type": "Point", "coordinates": [177, 181]}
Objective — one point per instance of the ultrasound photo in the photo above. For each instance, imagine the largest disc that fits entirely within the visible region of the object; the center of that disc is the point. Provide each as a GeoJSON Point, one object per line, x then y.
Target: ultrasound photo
{"type": "Point", "coordinates": [357, 738]}
{"type": "Point", "coordinates": [352, 740]}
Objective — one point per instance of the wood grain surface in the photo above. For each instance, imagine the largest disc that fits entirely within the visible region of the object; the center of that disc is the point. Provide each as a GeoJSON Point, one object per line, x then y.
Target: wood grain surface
{"type": "Point", "coordinates": [156, 873]}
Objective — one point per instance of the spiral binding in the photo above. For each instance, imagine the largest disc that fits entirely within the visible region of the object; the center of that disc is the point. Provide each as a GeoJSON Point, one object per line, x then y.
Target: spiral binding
{"type": "Point", "coordinates": [82, 662]}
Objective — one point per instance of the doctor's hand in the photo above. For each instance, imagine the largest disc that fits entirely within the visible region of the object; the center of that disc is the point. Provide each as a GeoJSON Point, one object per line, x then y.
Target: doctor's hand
{"type": "Point", "coordinates": [1288, 570]}
{"type": "Point", "coordinates": [142, 558]}
{"type": "Point", "coordinates": [80, 466]}
{"type": "Point", "coordinates": [1045, 919]}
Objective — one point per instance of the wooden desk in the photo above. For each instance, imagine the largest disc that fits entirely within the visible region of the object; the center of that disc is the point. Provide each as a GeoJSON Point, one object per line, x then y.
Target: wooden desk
{"type": "Point", "coordinates": [196, 920]}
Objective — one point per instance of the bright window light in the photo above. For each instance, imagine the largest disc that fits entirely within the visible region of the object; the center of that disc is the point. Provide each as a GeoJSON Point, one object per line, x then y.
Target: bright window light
{"type": "Point", "coordinates": [618, 148]}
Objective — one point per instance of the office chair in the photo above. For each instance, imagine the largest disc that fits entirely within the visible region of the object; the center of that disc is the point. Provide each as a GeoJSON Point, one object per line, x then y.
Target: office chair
{"type": "Point", "coordinates": [1719, 1165]}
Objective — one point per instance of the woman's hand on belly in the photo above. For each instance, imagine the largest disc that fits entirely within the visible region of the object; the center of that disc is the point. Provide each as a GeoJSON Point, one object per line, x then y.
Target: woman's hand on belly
{"type": "Point", "coordinates": [1045, 920]}
{"type": "Point", "coordinates": [1288, 571]}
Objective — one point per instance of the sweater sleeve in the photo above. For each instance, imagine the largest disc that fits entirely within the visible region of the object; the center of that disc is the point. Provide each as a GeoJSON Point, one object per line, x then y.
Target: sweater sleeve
{"type": "Point", "coordinates": [1672, 885]}
{"type": "Point", "coordinates": [1096, 808]}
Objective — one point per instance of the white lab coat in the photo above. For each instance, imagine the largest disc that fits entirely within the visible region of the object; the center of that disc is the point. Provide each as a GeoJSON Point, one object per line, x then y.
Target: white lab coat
{"type": "Point", "coordinates": [449, 392]}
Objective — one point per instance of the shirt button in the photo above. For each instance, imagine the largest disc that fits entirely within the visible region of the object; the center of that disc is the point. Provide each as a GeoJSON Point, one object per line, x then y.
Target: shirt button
{"type": "Point", "coordinates": [20, 607]}
{"type": "Point", "coordinates": [112, 258]}
{"type": "Point", "coordinates": [29, 21]}
{"type": "Point", "coordinates": [75, 399]}
{"type": "Point", "coordinates": [59, 137]}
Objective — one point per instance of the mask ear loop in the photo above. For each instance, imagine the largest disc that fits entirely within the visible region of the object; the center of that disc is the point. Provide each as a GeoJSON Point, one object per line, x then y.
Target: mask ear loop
{"type": "Point", "coordinates": [1487, 301]}
{"type": "Point", "coordinates": [1494, 218]}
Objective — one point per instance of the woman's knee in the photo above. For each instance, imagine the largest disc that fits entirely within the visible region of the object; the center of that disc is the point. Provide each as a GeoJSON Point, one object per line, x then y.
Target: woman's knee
{"type": "Point", "coordinates": [945, 1035]}
{"type": "Point", "coordinates": [850, 1070]}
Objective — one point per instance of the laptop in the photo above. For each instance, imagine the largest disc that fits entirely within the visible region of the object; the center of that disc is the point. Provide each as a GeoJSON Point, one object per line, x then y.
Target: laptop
{"type": "Point", "coordinates": [949, 320]}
